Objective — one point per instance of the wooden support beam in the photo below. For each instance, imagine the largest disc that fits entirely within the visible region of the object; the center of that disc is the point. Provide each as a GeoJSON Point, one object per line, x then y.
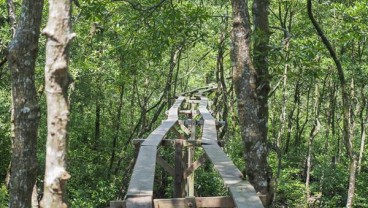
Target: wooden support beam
{"type": "Point", "coordinates": [189, 202]}
{"type": "Point", "coordinates": [177, 133]}
{"type": "Point", "coordinates": [190, 153]}
{"type": "Point", "coordinates": [170, 142]}
{"type": "Point", "coordinates": [183, 125]}
{"type": "Point", "coordinates": [219, 201]}
{"type": "Point", "coordinates": [164, 142]}
{"type": "Point", "coordinates": [194, 166]}
{"type": "Point", "coordinates": [179, 183]}
{"type": "Point", "coordinates": [165, 165]}
{"type": "Point", "coordinates": [194, 100]}
{"type": "Point", "coordinates": [185, 112]}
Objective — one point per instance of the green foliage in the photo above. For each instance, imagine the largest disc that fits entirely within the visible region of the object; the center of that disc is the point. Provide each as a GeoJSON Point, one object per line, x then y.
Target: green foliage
{"type": "Point", "coordinates": [291, 188]}
{"type": "Point", "coordinates": [5, 143]}
{"type": "Point", "coordinates": [3, 195]}
{"type": "Point", "coordinates": [208, 182]}
{"type": "Point", "coordinates": [361, 199]}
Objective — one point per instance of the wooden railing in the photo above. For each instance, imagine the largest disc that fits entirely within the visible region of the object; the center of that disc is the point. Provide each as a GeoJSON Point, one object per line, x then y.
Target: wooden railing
{"type": "Point", "coordinates": [140, 190]}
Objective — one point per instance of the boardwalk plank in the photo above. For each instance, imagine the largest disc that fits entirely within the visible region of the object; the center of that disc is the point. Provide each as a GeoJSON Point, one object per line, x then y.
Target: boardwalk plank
{"type": "Point", "coordinates": [223, 165]}
{"type": "Point", "coordinates": [242, 192]}
{"type": "Point", "coordinates": [209, 134]}
{"type": "Point", "coordinates": [244, 195]}
{"type": "Point", "coordinates": [154, 139]}
{"type": "Point", "coordinates": [143, 175]}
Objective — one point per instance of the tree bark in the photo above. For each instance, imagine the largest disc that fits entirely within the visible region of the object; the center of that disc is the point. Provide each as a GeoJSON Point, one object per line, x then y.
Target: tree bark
{"type": "Point", "coordinates": [251, 85]}
{"type": "Point", "coordinates": [22, 55]}
{"type": "Point", "coordinates": [57, 81]}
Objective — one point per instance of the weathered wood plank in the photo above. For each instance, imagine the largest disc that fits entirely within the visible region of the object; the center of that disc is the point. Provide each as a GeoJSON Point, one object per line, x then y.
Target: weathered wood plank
{"type": "Point", "coordinates": [206, 115]}
{"type": "Point", "coordinates": [143, 175]}
{"type": "Point", "coordinates": [209, 90]}
{"type": "Point", "coordinates": [209, 134]}
{"type": "Point", "coordinates": [154, 139]}
{"type": "Point", "coordinates": [223, 165]}
{"type": "Point", "coordinates": [217, 201]}
{"type": "Point", "coordinates": [158, 134]}
{"type": "Point", "coordinates": [199, 90]}
{"type": "Point", "coordinates": [172, 114]}
{"type": "Point", "coordinates": [244, 195]}
{"type": "Point", "coordinates": [139, 202]}
{"type": "Point", "coordinates": [170, 142]}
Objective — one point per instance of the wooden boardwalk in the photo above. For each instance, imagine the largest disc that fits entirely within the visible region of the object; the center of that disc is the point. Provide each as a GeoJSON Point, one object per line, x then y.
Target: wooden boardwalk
{"type": "Point", "coordinates": [140, 190]}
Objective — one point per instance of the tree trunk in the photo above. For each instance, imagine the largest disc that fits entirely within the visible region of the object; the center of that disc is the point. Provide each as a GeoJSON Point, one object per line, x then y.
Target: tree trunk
{"type": "Point", "coordinates": [57, 81]}
{"type": "Point", "coordinates": [363, 123]}
{"type": "Point", "coordinates": [221, 100]}
{"type": "Point", "coordinates": [313, 133]}
{"type": "Point", "coordinates": [12, 16]}
{"type": "Point", "coordinates": [352, 179]}
{"type": "Point", "coordinates": [117, 129]}
{"type": "Point", "coordinates": [346, 108]}
{"type": "Point", "coordinates": [97, 124]}
{"type": "Point", "coordinates": [22, 55]}
{"type": "Point", "coordinates": [251, 88]}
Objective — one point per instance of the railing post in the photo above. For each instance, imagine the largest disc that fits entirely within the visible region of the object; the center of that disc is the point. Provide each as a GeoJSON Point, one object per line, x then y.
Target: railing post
{"type": "Point", "coordinates": [190, 179]}
{"type": "Point", "coordinates": [179, 182]}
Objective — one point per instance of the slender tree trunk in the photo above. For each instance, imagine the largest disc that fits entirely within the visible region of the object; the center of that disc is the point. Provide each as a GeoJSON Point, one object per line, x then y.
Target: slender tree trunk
{"type": "Point", "coordinates": [300, 128]}
{"type": "Point", "coordinates": [12, 16]}
{"type": "Point", "coordinates": [363, 123]}
{"type": "Point", "coordinates": [352, 179]}
{"type": "Point", "coordinates": [174, 58]}
{"type": "Point", "coordinates": [97, 124]}
{"type": "Point", "coordinates": [346, 108]}
{"type": "Point", "coordinates": [22, 55]}
{"type": "Point", "coordinates": [221, 100]}
{"type": "Point", "coordinates": [57, 80]}
{"type": "Point", "coordinates": [12, 19]}
{"type": "Point", "coordinates": [313, 133]}
{"type": "Point", "coordinates": [117, 129]}
{"type": "Point", "coordinates": [290, 119]}
{"type": "Point", "coordinates": [251, 85]}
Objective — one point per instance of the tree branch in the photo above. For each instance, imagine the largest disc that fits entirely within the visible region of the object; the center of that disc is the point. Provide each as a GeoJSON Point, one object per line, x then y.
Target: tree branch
{"type": "Point", "coordinates": [140, 7]}
{"type": "Point", "coordinates": [326, 42]}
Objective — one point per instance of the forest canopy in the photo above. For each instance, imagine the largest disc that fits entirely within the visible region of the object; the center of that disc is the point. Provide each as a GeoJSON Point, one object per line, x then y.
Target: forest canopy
{"type": "Point", "coordinates": [130, 58]}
